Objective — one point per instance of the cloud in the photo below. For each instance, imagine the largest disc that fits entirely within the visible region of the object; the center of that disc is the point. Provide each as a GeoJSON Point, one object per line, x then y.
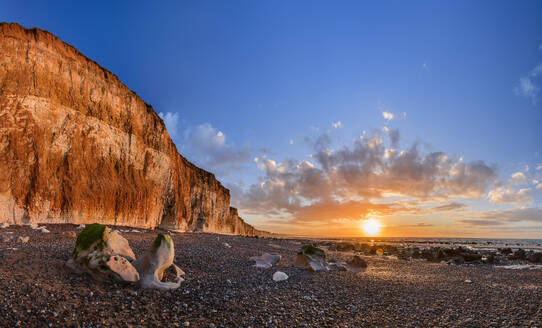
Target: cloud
{"type": "Point", "coordinates": [208, 148]}
{"type": "Point", "coordinates": [483, 223]}
{"type": "Point", "coordinates": [171, 120]}
{"type": "Point", "coordinates": [532, 214]}
{"type": "Point", "coordinates": [388, 116]}
{"type": "Point", "coordinates": [539, 186]}
{"type": "Point", "coordinates": [539, 167]}
{"type": "Point", "coordinates": [347, 182]}
{"type": "Point", "coordinates": [517, 179]}
{"type": "Point", "coordinates": [337, 125]}
{"type": "Point", "coordinates": [291, 141]}
{"type": "Point", "coordinates": [450, 207]}
{"type": "Point", "coordinates": [528, 85]}
{"type": "Point", "coordinates": [504, 195]}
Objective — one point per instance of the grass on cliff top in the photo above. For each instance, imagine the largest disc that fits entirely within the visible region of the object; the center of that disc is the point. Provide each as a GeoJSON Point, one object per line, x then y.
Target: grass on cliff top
{"type": "Point", "coordinates": [89, 235]}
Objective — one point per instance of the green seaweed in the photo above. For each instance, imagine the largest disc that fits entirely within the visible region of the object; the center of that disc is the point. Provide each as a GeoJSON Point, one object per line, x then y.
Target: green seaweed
{"type": "Point", "coordinates": [162, 238]}
{"type": "Point", "coordinates": [92, 233]}
{"type": "Point", "coordinates": [311, 249]}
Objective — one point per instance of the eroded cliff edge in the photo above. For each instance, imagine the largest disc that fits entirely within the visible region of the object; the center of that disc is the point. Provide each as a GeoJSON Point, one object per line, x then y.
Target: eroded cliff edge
{"type": "Point", "coordinates": [78, 146]}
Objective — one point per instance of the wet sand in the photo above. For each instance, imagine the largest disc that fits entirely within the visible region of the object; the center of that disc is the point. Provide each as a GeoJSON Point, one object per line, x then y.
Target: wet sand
{"type": "Point", "coordinates": [223, 289]}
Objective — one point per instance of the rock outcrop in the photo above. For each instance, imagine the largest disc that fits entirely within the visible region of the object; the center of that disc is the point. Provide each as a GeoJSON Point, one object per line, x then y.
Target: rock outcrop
{"type": "Point", "coordinates": [77, 146]}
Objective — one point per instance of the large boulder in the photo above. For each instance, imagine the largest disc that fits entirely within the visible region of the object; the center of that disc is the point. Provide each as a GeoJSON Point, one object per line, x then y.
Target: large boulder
{"type": "Point", "coordinates": [156, 261]}
{"type": "Point", "coordinates": [311, 258]}
{"type": "Point", "coordinates": [104, 254]}
{"type": "Point", "coordinates": [266, 260]}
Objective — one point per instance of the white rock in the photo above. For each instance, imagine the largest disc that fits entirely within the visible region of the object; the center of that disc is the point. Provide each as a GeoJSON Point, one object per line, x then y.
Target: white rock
{"type": "Point", "coordinates": [42, 229]}
{"type": "Point", "coordinates": [266, 260]}
{"type": "Point", "coordinates": [155, 261]}
{"type": "Point", "coordinates": [279, 276]}
{"type": "Point", "coordinates": [4, 225]}
{"type": "Point", "coordinates": [33, 225]}
{"type": "Point", "coordinates": [468, 281]}
{"type": "Point", "coordinates": [81, 226]}
{"type": "Point", "coordinates": [226, 245]}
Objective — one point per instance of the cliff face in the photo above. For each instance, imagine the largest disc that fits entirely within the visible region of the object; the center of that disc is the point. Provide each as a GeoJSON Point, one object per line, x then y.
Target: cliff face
{"type": "Point", "coordinates": [77, 146]}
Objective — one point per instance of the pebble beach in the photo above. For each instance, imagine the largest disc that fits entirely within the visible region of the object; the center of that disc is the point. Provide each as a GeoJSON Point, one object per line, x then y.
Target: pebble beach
{"type": "Point", "coordinates": [224, 289]}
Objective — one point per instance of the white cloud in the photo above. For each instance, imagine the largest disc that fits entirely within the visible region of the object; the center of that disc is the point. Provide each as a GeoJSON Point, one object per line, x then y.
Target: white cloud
{"type": "Point", "coordinates": [503, 195]}
{"type": "Point", "coordinates": [337, 125]}
{"type": "Point", "coordinates": [208, 148]}
{"type": "Point", "coordinates": [388, 116]}
{"type": "Point", "coordinates": [539, 167]}
{"type": "Point", "coordinates": [539, 186]}
{"type": "Point", "coordinates": [528, 86]}
{"type": "Point", "coordinates": [517, 179]}
{"type": "Point", "coordinates": [171, 120]}
{"type": "Point", "coordinates": [291, 141]}
{"type": "Point", "coordinates": [345, 181]}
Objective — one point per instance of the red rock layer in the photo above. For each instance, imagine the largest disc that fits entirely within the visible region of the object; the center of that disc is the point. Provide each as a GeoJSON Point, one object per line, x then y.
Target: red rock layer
{"type": "Point", "coordinates": [77, 146]}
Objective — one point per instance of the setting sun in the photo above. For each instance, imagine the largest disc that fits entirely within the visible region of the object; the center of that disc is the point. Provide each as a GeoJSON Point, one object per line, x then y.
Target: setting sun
{"type": "Point", "coordinates": [371, 227]}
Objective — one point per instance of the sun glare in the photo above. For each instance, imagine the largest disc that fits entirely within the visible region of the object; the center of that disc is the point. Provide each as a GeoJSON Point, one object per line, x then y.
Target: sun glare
{"type": "Point", "coordinates": [371, 227]}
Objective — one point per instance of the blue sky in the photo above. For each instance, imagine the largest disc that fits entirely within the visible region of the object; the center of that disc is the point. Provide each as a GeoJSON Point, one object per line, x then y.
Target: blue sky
{"type": "Point", "coordinates": [244, 84]}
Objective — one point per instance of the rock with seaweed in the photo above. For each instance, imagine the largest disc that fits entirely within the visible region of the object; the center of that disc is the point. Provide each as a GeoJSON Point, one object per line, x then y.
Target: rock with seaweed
{"type": "Point", "coordinates": [156, 261]}
{"type": "Point", "coordinates": [311, 258]}
{"type": "Point", "coordinates": [104, 254]}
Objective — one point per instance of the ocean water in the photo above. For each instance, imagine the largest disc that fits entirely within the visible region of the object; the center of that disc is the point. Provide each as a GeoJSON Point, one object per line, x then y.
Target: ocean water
{"type": "Point", "coordinates": [478, 243]}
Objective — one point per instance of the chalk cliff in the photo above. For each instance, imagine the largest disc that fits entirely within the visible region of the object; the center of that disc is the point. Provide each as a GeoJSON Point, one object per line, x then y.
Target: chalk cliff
{"type": "Point", "coordinates": [77, 146]}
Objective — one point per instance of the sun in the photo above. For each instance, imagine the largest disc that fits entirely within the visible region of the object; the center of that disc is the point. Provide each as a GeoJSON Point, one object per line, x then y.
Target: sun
{"type": "Point", "coordinates": [371, 227]}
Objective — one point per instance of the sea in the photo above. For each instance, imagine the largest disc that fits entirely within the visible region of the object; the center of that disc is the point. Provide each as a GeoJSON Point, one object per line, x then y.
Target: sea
{"type": "Point", "coordinates": [475, 243]}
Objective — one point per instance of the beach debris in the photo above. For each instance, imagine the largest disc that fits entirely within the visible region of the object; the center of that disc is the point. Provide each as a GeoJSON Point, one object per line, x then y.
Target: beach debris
{"type": "Point", "coordinates": [279, 276]}
{"type": "Point", "coordinates": [6, 237]}
{"type": "Point", "coordinates": [135, 231]}
{"type": "Point", "coordinates": [337, 266]}
{"type": "Point", "coordinates": [4, 225]}
{"type": "Point", "coordinates": [468, 281]}
{"type": "Point", "coordinates": [357, 263]}
{"type": "Point", "coordinates": [226, 245]}
{"type": "Point", "coordinates": [103, 254]}
{"type": "Point", "coordinates": [345, 247]}
{"type": "Point", "coordinates": [42, 230]}
{"type": "Point", "coordinates": [23, 240]}
{"type": "Point", "coordinates": [311, 258]}
{"type": "Point", "coordinates": [156, 261]}
{"type": "Point", "coordinates": [72, 234]}
{"type": "Point", "coordinates": [266, 260]}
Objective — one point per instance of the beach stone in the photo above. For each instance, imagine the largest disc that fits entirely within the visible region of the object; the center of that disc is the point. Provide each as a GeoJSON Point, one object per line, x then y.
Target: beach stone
{"type": "Point", "coordinates": [279, 276]}
{"type": "Point", "coordinates": [42, 230]}
{"type": "Point", "coordinates": [535, 258]}
{"type": "Point", "coordinates": [6, 237]}
{"type": "Point", "coordinates": [311, 258]}
{"type": "Point", "coordinates": [103, 253]}
{"type": "Point", "coordinates": [345, 247]}
{"type": "Point", "coordinates": [266, 260]}
{"type": "Point", "coordinates": [23, 240]}
{"type": "Point", "coordinates": [357, 263]}
{"type": "Point", "coordinates": [156, 261]}
{"type": "Point", "coordinates": [337, 266]}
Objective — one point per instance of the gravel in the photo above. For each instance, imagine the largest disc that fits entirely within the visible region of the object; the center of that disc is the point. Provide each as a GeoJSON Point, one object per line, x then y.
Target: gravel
{"type": "Point", "coordinates": [223, 289]}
